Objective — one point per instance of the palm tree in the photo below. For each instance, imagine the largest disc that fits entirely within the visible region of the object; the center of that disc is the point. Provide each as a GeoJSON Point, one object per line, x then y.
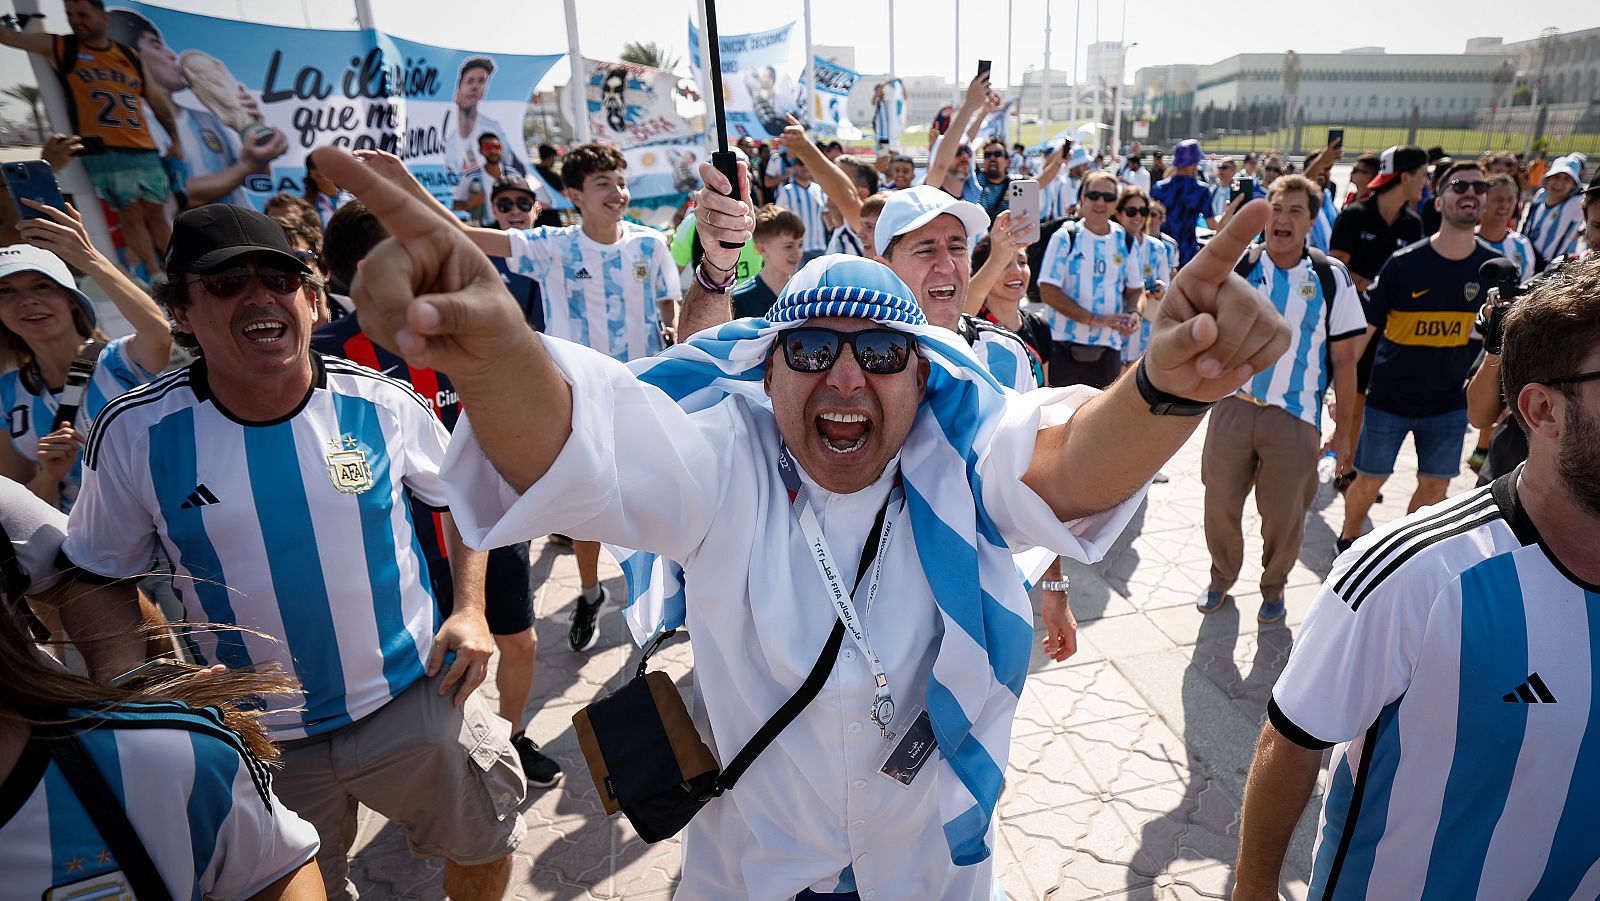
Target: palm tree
{"type": "Point", "coordinates": [30, 95]}
{"type": "Point", "coordinates": [649, 53]}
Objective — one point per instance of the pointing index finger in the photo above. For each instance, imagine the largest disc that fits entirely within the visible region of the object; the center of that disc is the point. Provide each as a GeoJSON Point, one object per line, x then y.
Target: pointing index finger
{"type": "Point", "coordinates": [1217, 259]}
{"type": "Point", "coordinates": [405, 216]}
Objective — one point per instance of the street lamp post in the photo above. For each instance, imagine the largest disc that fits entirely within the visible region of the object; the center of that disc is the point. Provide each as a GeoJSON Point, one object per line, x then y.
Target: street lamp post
{"type": "Point", "coordinates": [1116, 98]}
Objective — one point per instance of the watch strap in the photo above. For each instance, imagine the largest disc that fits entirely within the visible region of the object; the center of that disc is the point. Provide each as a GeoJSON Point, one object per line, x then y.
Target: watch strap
{"type": "Point", "coordinates": [1164, 404]}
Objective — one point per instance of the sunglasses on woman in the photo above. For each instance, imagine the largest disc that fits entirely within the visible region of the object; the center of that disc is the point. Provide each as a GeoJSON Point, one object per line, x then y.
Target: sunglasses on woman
{"type": "Point", "coordinates": [226, 284]}
{"type": "Point", "coordinates": [507, 204]}
{"type": "Point", "coordinates": [878, 351]}
{"type": "Point", "coordinates": [1137, 212]}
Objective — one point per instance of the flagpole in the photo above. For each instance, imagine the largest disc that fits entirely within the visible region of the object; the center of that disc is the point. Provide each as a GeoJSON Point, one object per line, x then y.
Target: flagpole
{"type": "Point", "coordinates": [810, 116]}
{"type": "Point", "coordinates": [1009, 136]}
{"type": "Point", "coordinates": [1077, 41]}
{"type": "Point", "coordinates": [576, 82]}
{"type": "Point", "coordinates": [959, 92]}
{"type": "Point", "coordinates": [364, 17]}
{"type": "Point", "coordinates": [1044, 85]}
{"type": "Point", "coordinates": [1116, 89]}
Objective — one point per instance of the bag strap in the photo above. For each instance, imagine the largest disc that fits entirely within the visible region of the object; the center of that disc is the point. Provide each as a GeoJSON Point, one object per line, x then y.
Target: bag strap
{"type": "Point", "coordinates": [110, 820]}
{"type": "Point", "coordinates": [813, 684]}
{"type": "Point", "coordinates": [69, 57]}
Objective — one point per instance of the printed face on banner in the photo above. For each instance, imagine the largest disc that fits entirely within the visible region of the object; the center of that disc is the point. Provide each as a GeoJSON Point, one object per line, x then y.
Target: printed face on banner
{"type": "Point", "coordinates": [631, 104]}
{"type": "Point", "coordinates": [268, 95]}
{"type": "Point", "coordinates": [761, 79]}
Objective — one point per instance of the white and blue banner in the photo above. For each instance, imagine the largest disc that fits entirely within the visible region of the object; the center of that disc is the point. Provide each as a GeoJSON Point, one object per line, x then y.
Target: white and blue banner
{"type": "Point", "coordinates": [664, 173]}
{"type": "Point", "coordinates": [832, 116]}
{"type": "Point", "coordinates": [237, 82]}
{"type": "Point", "coordinates": [762, 76]}
{"type": "Point", "coordinates": [630, 104]}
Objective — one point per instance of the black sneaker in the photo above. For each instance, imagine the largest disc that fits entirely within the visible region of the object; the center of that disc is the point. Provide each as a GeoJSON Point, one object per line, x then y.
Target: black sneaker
{"type": "Point", "coordinates": [1341, 544]}
{"type": "Point", "coordinates": [583, 633]}
{"type": "Point", "coordinates": [542, 772]}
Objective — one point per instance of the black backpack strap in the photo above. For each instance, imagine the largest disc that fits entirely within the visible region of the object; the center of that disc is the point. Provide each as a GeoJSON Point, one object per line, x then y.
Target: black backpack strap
{"type": "Point", "coordinates": [133, 57]}
{"type": "Point", "coordinates": [1247, 263]}
{"type": "Point", "coordinates": [109, 819]}
{"type": "Point", "coordinates": [813, 684]}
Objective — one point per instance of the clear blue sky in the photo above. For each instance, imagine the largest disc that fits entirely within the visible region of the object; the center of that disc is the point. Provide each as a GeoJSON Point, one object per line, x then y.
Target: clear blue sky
{"type": "Point", "coordinates": [1166, 31]}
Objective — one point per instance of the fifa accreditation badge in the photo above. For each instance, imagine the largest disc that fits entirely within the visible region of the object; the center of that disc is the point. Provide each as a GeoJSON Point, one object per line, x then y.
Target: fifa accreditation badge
{"type": "Point", "coordinates": [347, 466]}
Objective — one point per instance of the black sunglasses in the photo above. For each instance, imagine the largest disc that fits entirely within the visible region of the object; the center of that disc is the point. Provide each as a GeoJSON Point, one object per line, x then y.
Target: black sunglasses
{"type": "Point", "coordinates": [1275, 169]}
{"type": "Point", "coordinates": [224, 285]}
{"type": "Point", "coordinates": [1575, 379]}
{"type": "Point", "coordinates": [1138, 212]}
{"type": "Point", "coordinates": [1099, 195]}
{"type": "Point", "coordinates": [878, 351]}
{"type": "Point", "coordinates": [995, 154]}
{"type": "Point", "coordinates": [1462, 186]}
{"type": "Point", "coordinates": [507, 204]}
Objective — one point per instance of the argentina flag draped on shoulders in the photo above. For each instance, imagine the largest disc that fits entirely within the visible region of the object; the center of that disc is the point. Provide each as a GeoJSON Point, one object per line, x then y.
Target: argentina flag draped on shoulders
{"type": "Point", "coordinates": [986, 616]}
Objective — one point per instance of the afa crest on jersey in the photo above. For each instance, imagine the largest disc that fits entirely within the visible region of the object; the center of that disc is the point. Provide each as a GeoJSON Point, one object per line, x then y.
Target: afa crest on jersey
{"type": "Point", "coordinates": [1307, 289]}
{"type": "Point", "coordinates": [641, 272]}
{"type": "Point", "coordinates": [348, 468]}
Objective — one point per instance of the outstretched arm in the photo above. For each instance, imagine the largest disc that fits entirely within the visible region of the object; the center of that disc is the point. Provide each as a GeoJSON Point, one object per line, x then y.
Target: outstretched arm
{"type": "Point", "coordinates": [840, 188]}
{"type": "Point", "coordinates": [945, 151]}
{"type": "Point", "coordinates": [40, 42]}
{"type": "Point", "coordinates": [1212, 334]}
{"type": "Point", "coordinates": [430, 295]}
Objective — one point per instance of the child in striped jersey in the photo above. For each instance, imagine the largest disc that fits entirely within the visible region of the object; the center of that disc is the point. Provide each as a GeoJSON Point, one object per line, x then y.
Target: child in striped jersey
{"type": "Point", "coordinates": [1554, 217]}
{"type": "Point", "coordinates": [44, 322]}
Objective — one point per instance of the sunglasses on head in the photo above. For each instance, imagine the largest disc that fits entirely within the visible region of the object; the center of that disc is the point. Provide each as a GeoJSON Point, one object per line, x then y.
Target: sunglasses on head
{"type": "Point", "coordinates": [507, 204]}
{"type": "Point", "coordinates": [1462, 186]}
{"type": "Point", "coordinates": [878, 351]}
{"type": "Point", "coordinates": [226, 284]}
{"type": "Point", "coordinates": [1099, 195]}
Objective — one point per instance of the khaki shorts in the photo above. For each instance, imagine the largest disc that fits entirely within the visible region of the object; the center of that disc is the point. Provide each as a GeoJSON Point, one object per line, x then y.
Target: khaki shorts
{"type": "Point", "coordinates": [448, 775]}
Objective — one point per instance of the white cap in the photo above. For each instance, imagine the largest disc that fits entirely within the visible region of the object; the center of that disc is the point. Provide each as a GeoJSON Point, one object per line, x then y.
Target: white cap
{"type": "Point", "coordinates": [15, 258]}
{"type": "Point", "coordinates": [914, 207]}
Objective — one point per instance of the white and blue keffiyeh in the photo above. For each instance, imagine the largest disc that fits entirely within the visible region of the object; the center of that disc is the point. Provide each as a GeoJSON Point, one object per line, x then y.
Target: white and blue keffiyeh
{"type": "Point", "coordinates": [987, 617]}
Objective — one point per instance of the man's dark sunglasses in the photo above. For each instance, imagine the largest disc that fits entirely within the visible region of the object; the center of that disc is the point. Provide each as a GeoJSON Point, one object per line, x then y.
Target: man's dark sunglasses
{"type": "Point", "coordinates": [878, 351]}
{"type": "Point", "coordinates": [506, 204]}
{"type": "Point", "coordinates": [1575, 379]}
{"type": "Point", "coordinates": [1099, 195]}
{"type": "Point", "coordinates": [1138, 212]}
{"type": "Point", "coordinates": [1462, 186]}
{"type": "Point", "coordinates": [995, 154]}
{"type": "Point", "coordinates": [226, 284]}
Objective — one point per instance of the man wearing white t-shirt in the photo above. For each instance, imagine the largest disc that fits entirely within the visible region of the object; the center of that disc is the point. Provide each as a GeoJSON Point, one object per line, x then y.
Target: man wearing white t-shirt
{"type": "Point", "coordinates": [464, 123]}
{"type": "Point", "coordinates": [1450, 660]}
{"type": "Point", "coordinates": [870, 410]}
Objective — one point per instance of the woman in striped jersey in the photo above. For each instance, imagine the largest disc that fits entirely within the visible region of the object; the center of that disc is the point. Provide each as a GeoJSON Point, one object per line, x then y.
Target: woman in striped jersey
{"type": "Point", "coordinates": [181, 764]}
{"type": "Point", "coordinates": [45, 323]}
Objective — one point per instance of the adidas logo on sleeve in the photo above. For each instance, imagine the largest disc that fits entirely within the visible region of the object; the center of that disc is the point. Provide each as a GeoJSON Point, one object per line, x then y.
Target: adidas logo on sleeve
{"type": "Point", "coordinates": [1533, 691]}
{"type": "Point", "coordinates": [199, 497]}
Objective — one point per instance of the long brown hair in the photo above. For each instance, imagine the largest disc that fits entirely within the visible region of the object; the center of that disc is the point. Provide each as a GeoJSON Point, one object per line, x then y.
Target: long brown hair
{"type": "Point", "coordinates": [33, 693]}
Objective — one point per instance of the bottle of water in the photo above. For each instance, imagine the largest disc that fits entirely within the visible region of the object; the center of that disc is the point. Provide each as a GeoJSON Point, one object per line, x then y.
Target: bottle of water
{"type": "Point", "coordinates": [1328, 466]}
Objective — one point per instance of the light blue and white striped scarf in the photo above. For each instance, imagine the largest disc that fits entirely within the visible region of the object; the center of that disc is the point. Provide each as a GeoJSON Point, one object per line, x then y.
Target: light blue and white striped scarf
{"type": "Point", "coordinates": [983, 602]}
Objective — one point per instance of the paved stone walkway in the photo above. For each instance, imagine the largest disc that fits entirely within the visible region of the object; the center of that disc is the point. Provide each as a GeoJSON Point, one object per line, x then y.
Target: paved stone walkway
{"type": "Point", "coordinates": [1128, 761]}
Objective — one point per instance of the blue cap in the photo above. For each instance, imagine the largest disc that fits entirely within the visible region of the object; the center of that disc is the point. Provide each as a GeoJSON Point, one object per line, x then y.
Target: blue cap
{"type": "Point", "coordinates": [1187, 153]}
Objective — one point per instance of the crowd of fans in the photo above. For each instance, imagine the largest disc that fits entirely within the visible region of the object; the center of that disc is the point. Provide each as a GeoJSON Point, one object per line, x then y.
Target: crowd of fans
{"type": "Point", "coordinates": [259, 526]}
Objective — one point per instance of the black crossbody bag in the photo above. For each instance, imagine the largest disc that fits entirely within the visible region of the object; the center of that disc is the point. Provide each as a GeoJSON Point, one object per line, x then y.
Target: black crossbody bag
{"type": "Point", "coordinates": [645, 755]}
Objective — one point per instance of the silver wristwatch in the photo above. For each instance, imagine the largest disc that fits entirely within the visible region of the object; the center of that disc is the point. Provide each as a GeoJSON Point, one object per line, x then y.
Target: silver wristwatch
{"type": "Point", "coordinates": [1055, 584]}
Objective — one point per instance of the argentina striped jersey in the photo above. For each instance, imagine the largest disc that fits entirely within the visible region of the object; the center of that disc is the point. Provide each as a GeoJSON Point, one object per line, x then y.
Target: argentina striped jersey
{"type": "Point", "coordinates": [1322, 228]}
{"type": "Point", "coordinates": [1092, 271]}
{"type": "Point", "coordinates": [604, 296]}
{"type": "Point", "coordinates": [1060, 195]}
{"type": "Point", "coordinates": [1457, 665]}
{"type": "Point", "coordinates": [1154, 263]}
{"type": "Point", "coordinates": [1298, 380]}
{"type": "Point", "coordinates": [31, 407]}
{"type": "Point", "coordinates": [846, 241]}
{"type": "Point", "coordinates": [1515, 247]}
{"type": "Point", "coordinates": [806, 202]}
{"type": "Point", "coordinates": [198, 800]}
{"type": "Point", "coordinates": [1553, 230]}
{"type": "Point", "coordinates": [300, 529]}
